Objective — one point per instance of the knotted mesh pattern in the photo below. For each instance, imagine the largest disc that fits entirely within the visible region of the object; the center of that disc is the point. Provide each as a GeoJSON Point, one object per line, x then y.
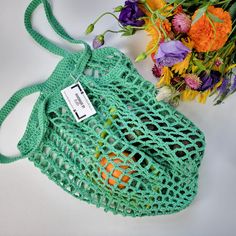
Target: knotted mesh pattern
{"type": "Point", "coordinates": [135, 157]}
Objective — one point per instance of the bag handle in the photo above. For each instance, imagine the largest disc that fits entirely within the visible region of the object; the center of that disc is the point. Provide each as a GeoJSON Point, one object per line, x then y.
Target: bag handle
{"type": "Point", "coordinates": [19, 95]}
{"type": "Point", "coordinates": [8, 107]}
{"type": "Point", "coordinates": [50, 46]}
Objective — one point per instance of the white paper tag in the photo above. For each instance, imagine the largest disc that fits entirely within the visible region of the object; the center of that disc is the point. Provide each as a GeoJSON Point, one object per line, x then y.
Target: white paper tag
{"type": "Point", "coordinates": [78, 102]}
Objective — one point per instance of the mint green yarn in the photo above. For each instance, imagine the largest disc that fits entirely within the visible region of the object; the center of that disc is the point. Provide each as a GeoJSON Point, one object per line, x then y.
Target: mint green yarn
{"type": "Point", "coordinates": [135, 156]}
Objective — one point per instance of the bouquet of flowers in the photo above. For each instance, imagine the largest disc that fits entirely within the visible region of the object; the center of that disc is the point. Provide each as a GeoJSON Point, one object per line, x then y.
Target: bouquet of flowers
{"type": "Point", "coordinates": [192, 45]}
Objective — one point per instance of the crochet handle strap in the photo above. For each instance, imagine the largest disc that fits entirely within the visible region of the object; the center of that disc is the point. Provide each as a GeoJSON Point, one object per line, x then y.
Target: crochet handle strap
{"type": "Point", "coordinates": [55, 25]}
{"type": "Point", "coordinates": [8, 107]}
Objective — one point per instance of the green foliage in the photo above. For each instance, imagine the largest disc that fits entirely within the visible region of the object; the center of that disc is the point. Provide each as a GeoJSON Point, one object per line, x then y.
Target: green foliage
{"type": "Point", "coordinates": [200, 13]}
{"type": "Point", "coordinates": [128, 30]}
{"type": "Point", "coordinates": [213, 17]}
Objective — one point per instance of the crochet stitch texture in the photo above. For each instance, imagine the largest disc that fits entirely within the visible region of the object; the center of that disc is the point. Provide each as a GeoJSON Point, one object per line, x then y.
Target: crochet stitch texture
{"type": "Point", "coordinates": [135, 156]}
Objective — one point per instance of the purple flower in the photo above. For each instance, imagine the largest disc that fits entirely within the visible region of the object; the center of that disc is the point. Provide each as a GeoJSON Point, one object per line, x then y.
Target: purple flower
{"type": "Point", "coordinates": [209, 80]}
{"type": "Point", "coordinates": [131, 13]}
{"type": "Point", "coordinates": [171, 53]}
{"type": "Point", "coordinates": [228, 86]}
{"type": "Point", "coordinates": [224, 86]}
{"type": "Point", "coordinates": [233, 86]}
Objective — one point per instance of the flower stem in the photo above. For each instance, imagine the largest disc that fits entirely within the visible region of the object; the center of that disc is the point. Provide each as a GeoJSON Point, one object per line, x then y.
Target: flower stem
{"type": "Point", "coordinates": [113, 31]}
{"type": "Point", "coordinates": [214, 29]}
{"type": "Point", "coordinates": [106, 13]}
{"type": "Point", "coordinates": [227, 49]}
{"type": "Point", "coordinates": [230, 68]}
{"type": "Point", "coordinates": [179, 85]}
{"type": "Point", "coordinates": [218, 3]}
{"type": "Point", "coordinates": [174, 8]}
{"type": "Point", "coordinates": [153, 48]}
{"type": "Point", "coordinates": [154, 16]}
{"type": "Point", "coordinates": [143, 18]}
{"type": "Point", "coordinates": [148, 8]}
{"type": "Point", "coordinates": [138, 27]}
{"type": "Point", "coordinates": [161, 28]}
{"type": "Point", "coordinates": [233, 28]}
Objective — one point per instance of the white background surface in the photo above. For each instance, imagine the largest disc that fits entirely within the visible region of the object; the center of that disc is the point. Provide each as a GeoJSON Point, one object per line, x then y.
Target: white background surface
{"type": "Point", "coordinates": [30, 204]}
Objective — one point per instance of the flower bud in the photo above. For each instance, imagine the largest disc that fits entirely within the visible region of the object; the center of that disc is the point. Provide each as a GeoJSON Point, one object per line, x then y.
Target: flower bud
{"type": "Point", "coordinates": [98, 41]}
{"type": "Point", "coordinates": [141, 57]}
{"type": "Point", "coordinates": [90, 29]}
{"type": "Point", "coordinates": [118, 9]}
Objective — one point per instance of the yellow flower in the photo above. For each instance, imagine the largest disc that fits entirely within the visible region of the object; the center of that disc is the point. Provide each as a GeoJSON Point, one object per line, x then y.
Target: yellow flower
{"type": "Point", "coordinates": [194, 68]}
{"type": "Point", "coordinates": [203, 96]}
{"type": "Point", "coordinates": [193, 95]}
{"type": "Point", "coordinates": [182, 66]}
{"type": "Point", "coordinates": [217, 85]}
{"type": "Point", "coordinates": [166, 77]}
{"type": "Point", "coordinates": [154, 5]}
{"type": "Point", "coordinates": [189, 95]}
{"type": "Point", "coordinates": [154, 29]}
{"type": "Point", "coordinates": [152, 45]}
{"type": "Point", "coordinates": [188, 43]}
{"type": "Point", "coordinates": [156, 34]}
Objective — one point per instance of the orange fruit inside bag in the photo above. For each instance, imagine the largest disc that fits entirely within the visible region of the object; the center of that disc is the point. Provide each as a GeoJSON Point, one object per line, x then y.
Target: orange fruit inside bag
{"type": "Point", "coordinates": [116, 173]}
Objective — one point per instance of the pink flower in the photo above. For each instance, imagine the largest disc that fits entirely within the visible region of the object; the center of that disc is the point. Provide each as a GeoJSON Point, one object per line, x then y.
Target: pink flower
{"type": "Point", "coordinates": [193, 81]}
{"type": "Point", "coordinates": [218, 62]}
{"type": "Point", "coordinates": [181, 23]}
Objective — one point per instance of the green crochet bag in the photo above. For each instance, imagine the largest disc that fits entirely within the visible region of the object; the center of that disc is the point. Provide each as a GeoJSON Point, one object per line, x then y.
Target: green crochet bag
{"type": "Point", "coordinates": [135, 156]}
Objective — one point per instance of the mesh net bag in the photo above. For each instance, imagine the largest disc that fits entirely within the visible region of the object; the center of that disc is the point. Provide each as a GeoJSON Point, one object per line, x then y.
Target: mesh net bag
{"type": "Point", "coordinates": [134, 157]}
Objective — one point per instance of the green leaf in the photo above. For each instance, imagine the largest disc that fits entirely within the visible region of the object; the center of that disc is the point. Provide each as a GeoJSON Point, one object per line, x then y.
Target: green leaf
{"type": "Point", "coordinates": [221, 98]}
{"type": "Point", "coordinates": [128, 31]}
{"type": "Point", "coordinates": [200, 13]}
{"type": "Point", "coordinates": [232, 11]}
{"type": "Point", "coordinates": [214, 18]}
{"type": "Point", "coordinates": [173, 1]}
{"type": "Point", "coordinates": [199, 64]}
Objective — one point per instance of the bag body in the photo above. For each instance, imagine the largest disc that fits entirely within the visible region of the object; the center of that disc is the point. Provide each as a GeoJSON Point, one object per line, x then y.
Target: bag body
{"type": "Point", "coordinates": [135, 156]}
